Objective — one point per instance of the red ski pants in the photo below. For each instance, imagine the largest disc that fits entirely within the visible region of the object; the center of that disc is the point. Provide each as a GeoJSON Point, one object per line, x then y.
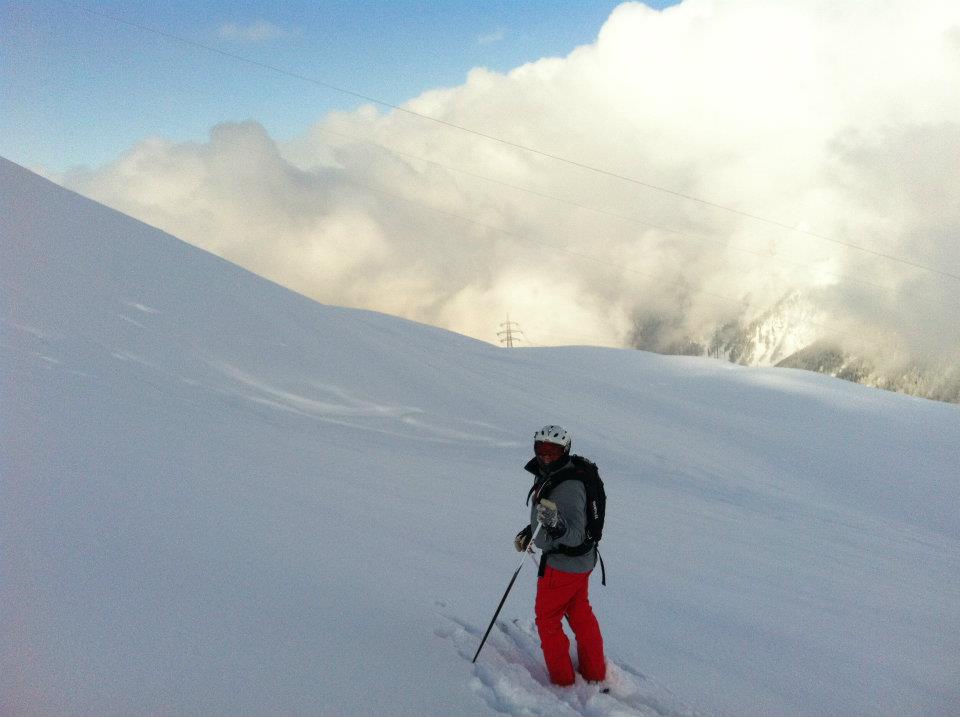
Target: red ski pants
{"type": "Point", "coordinates": [562, 594]}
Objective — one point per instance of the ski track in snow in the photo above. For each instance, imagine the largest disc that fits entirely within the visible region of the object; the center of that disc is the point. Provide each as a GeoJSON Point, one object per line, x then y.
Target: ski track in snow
{"type": "Point", "coordinates": [141, 307]}
{"type": "Point", "coordinates": [511, 678]}
{"type": "Point", "coordinates": [333, 404]}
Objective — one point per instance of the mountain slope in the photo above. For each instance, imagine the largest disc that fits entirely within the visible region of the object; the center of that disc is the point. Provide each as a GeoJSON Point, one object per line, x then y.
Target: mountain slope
{"type": "Point", "coordinates": [787, 335]}
{"type": "Point", "coordinates": [219, 497]}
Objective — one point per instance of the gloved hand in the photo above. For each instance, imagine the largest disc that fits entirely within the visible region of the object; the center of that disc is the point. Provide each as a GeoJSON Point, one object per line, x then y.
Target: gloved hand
{"type": "Point", "coordinates": [549, 516]}
{"type": "Point", "coordinates": [522, 541]}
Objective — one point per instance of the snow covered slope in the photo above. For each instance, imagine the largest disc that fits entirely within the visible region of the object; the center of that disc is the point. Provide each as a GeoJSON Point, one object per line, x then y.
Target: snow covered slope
{"type": "Point", "coordinates": [218, 497]}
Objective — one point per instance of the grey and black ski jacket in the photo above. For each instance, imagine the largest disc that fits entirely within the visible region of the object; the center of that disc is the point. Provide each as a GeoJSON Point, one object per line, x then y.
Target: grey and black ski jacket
{"type": "Point", "coordinates": [571, 499]}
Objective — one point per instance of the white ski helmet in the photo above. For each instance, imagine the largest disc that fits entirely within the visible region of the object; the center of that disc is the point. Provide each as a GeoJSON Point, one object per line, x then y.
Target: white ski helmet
{"type": "Point", "coordinates": [553, 434]}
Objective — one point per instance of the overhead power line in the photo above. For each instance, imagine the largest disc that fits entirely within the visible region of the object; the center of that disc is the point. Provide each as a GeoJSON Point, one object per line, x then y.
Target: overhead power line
{"type": "Point", "coordinates": [505, 142]}
{"type": "Point", "coordinates": [660, 279]}
{"type": "Point", "coordinates": [766, 256]}
{"type": "Point", "coordinates": [619, 266]}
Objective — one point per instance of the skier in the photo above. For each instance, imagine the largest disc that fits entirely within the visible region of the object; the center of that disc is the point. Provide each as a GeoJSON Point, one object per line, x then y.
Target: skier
{"type": "Point", "coordinates": [569, 556]}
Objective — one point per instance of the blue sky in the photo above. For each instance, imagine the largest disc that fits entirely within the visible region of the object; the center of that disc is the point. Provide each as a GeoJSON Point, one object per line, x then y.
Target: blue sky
{"type": "Point", "coordinates": [81, 88]}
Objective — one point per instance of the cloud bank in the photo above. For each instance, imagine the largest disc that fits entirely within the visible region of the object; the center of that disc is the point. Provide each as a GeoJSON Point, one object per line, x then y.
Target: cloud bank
{"type": "Point", "coordinates": [839, 119]}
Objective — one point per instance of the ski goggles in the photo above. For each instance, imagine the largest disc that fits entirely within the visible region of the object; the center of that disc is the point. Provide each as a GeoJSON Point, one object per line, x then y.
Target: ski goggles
{"type": "Point", "coordinates": [548, 452]}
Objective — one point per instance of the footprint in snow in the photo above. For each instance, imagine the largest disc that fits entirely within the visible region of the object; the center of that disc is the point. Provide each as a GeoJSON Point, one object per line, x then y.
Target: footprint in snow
{"type": "Point", "coordinates": [511, 678]}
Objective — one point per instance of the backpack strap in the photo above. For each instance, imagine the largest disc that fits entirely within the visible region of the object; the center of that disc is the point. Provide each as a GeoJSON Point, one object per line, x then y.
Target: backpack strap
{"type": "Point", "coordinates": [547, 553]}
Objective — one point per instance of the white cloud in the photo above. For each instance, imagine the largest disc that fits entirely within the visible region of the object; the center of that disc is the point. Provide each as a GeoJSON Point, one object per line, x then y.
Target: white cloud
{"type": "Point", "coordinates": [490, 38]}
{"type": "Point", "coordinates": [259, 31]}
{"type": "Point", "coordinates": [843, 118]}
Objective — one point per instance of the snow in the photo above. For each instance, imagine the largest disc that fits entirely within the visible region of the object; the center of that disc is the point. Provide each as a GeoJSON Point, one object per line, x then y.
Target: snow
{"type": "Point", "coordinates": [219, 497]}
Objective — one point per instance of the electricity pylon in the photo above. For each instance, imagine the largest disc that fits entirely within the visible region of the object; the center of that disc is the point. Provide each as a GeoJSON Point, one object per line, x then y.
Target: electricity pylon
{"type": "Point", "coordinates": [510, 332]}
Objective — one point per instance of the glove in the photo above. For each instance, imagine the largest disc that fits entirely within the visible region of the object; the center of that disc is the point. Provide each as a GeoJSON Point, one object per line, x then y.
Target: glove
{"type": "Point", "coordinates": [549, 516]}
{"type": "Point", "coordinates": [522, 541]}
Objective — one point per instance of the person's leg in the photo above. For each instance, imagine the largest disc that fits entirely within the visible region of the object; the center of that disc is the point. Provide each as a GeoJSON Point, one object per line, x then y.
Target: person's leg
{"type": "Point", "coordinates": [586, 629]}
{"type": "Point", "coordinates": [553, 595]}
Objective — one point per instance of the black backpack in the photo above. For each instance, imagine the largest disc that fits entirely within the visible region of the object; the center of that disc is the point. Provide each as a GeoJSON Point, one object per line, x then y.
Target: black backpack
{"type": "Point", "coordinates": [587, 473]}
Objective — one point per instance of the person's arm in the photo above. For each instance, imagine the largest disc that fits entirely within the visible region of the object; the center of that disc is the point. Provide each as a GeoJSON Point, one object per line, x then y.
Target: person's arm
{"type": "Point", "coordinates": [570, 527]}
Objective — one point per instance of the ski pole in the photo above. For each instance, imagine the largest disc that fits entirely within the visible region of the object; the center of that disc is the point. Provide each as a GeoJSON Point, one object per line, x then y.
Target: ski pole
{"type": "Point", "coordinates": [506, 592]}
